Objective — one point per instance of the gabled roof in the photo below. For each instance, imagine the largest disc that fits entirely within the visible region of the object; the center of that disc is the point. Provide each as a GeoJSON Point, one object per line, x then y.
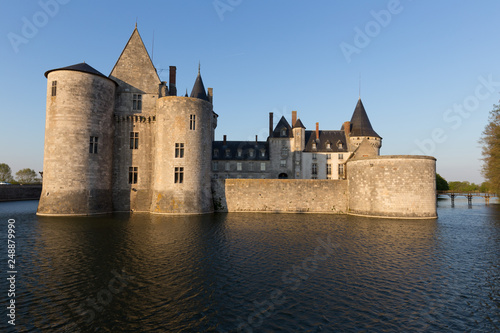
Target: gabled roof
{"type": "Point", "coordinates": [298, 123]}
{"type": "Point", "coordinates": [135, 67]}
{"type": "Point", "coordinates": [360, 124]}
{"type": "Point", "coordinates": [81, 67]}
{"type": "Point", "coordinates": [199, 89]}
{"type": "Point", "coordinates": [332, 137]}
{"type": "Point", "coordinates": [282, 124]}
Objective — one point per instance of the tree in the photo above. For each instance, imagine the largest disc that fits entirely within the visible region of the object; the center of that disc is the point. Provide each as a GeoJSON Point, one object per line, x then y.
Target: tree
{"type": "Point", "coordinates": [5, 173]}
{"type": "Point", "coordinates": [26, 176]}
{"type": "Point", "coordinates": [491, 150]}
{"type": "Point", "coordinates": [441, 183]}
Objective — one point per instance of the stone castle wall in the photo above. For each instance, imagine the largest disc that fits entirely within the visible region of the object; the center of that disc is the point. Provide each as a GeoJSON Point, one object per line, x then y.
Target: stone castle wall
{"type": "Point", "coordinates": [393, 186]}
{"type": "Point", "coordinates": [280, 195]}
{"type": "Point", "coordinates": [75, 181]}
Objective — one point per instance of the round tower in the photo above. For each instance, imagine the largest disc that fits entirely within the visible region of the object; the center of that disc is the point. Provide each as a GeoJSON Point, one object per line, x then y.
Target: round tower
{"type": "Point", "coordinates": [77, 165]}
{"type": "Point", "coordinates": [183, 155]}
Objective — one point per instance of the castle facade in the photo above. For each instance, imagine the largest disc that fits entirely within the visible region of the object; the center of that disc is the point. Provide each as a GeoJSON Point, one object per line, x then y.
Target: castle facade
{"type": "Point", "coordinates": [127, 142]}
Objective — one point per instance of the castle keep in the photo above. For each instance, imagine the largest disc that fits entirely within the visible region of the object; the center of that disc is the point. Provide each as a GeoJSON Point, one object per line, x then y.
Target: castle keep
{"type": "Point", "coordinates": [127, 142]}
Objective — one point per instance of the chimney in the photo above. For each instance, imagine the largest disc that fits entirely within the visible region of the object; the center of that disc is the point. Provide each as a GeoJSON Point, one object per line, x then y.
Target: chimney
{"type": "Point", "coordinates": [172, 89]}
{"type": "Point", "coordinates": [347, 129]}
{"type": "Point", "coordinates": [256, 139]}
{"type": "Point", "coordinates": [225, 139]}
{"type": "Point", "coordinates": [211, 95]}
{"type": "Point", "coordinates": [317, 131]}
{"type": "Point", "coordinates": [294, 118]}
{"type": "Point", "coordinates": [270, 124]}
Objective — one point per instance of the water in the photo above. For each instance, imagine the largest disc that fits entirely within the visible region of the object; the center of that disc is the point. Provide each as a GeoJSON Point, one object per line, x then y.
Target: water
{"type": "Point", "coordinates": [254, 272]}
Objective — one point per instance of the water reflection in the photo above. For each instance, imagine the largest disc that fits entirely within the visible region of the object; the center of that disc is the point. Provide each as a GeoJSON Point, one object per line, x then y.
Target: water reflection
{"type": "Point", "coordinates": [265, 272]}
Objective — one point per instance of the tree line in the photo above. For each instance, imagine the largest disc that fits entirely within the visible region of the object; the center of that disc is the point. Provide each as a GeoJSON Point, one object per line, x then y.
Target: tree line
{"type": "Point", "coordinates": [24, 176]}
{"type": "Point", "coordinates": [490, 141]}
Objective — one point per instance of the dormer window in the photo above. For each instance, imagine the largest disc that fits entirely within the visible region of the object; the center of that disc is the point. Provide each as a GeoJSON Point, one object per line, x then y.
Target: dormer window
{"type": "Point", "coordinates": [263, 152]}
{"type": "Point", "coordinates": [251, 152]}
{"type": "Point", "coordinates": [216, 152]}
{"type": "Point", "coordinates": [228, 153]}
{"type": "Point", "coordinates": [283, 132]}
{"type": "Point", "coordinates": [328, 145]}
{"type": "Point", "coordinates": [239, 152]}
{"type": "Point", "coordinates": [339, 145]}
{"type": "Point", "coordinates": [314, 145]}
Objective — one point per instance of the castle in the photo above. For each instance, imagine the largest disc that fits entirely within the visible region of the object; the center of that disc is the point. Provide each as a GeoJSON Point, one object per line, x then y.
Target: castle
{"type": "Point", "coordinates": [127, 142]}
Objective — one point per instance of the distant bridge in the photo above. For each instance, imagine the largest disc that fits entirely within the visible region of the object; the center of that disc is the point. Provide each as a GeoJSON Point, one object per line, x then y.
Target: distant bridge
{"type": "Point", "coordinates": [468, 195]}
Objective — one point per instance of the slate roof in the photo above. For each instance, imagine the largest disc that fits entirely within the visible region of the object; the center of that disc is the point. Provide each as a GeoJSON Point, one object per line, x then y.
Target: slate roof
{"type": "Point", "coordinates": [282, 124]}
{"type": "Point", "coordinates": [245, 146]}
{"type": "Point", "coordinates": [360, 124]}
{"type": "Point", "coordinates": [199, 89]}
{"type": "Point", "coordinates": [298, 123]}
{"type": "Point", "coordinates": [332, 137]}
{"type": "Point", "coordinates": [81, 67]}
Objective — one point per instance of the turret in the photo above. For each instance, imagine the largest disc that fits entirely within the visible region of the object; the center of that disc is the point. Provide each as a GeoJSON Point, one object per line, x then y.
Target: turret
{"type": "Point", "coordinates": [299, 135]}
{"type": "Point", "coordinates": [182, 169]}
{"type": "Point", "coordinates": [361, 130]}
{"type": "Point", "coordinates": [77, 166]}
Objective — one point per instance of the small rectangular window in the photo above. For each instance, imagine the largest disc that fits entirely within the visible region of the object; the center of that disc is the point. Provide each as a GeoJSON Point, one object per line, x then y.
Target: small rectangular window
{"type": "Point", "coordinates": [228, 153]}
{"type": "Point", "coordinates": [54, 88]}
{"type": "Point", "coordinates": [216, 152]}
{"type": "Point", "coordinates": [227, 166]}
{"type": "Point", "coordinates": [314, 169]}
{"type": "Point", "coordinates": [238, 166]}
{"type": "Point", "coordinates": [192, 122]}
{"type": "Point", "coordinates": [93, 144]}
{"type": "Point", "coordinates": [283, 163]}
{"type": "Point", "coordinates": [328, 156]}
{"type": "Point", "coordinates": [239, 152]}
{"type": "Point", "coordinates": [132, 175]}
{"type": "Point", "coordinates": [314, 156]}
{"type": "Point", "coordinates": [328, 169]}
{"type": "Point", "coordinates": [251, 152]}
{"type": "Point", "coordinates": [137, 102]}
{"type": "Point", "coordinates": [341, 156]}
{"type": "Point", "coordinates": [134, 140]}
{"type": "Point", "coordinates": [250, 166]}
{"type": "Point", "coordinates": [215, 166]}
{"type": "Point", "coordinates": [179, 150]}
{"type": "Point", "coordinates": [341, 171]}
{"type": "Point", "coordinates": [263, 152]}
{"type": "Point", "coordinates": [179, 175]}
{"type": "Point", "coordinates": [263, 167]}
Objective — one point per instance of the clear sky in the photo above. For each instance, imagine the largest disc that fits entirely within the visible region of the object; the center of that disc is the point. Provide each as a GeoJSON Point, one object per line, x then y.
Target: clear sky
{"type": "Point", "coordinates": [430, 70]}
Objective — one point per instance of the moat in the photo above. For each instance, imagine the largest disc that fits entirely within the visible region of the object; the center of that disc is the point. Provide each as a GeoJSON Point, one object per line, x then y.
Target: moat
{"type": "Point", "coordinates": [255, 272]}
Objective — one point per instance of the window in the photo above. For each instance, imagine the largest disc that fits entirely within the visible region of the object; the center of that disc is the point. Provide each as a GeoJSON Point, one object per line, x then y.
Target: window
{"type": "Point", "coordinates": [134, 140]}
{"type": "Point", "coordinates": [215, 176]}
{"type": "Point", "coordinates": [216, 152]}
{"type": "Point", "coordinates": [54, 88]}
{"type": "Point", "coordinates": [93, 144]}
{"type": "Point", "coordinates": [283, 132]}
{"type": "Point", "coordinates": [137, 102]}
{"type": "Point", "coordinates": [179, 175]}
{"type": "Point", "coordinates": [263, 152]}
{"type": "Point", "coordinates": [228, 153]}
{"type": "Point", "coordinates": [328, 146]}
{"type": "Point", "coordinates": [239, 152]}
{"type": "Point", "coordinates": [341, 156]}
{"type": "Point", "coordinates": [341, 171]}
{"type": "Point", "coordinates": [263, 167]}
{"type": "Point", "coordinates": [179, 150]}
{"type": "Point", "coordinates": [315, 156]}
{"type": "Point", "coordinates": [328, 156]}
{"type": "Point", "coordinates": [251, 152]}
{"type": "Point", "coordinates": [314, 145]}
{"type": "Point", "coordinates": [328, 169]}
{"type": "Point", "coordinates": [283, 163]}
{"type": "Point", "coordinates": [339, 145]}
{"type": "Point", "coordinates": [314, 169]}
{"type": "Point", "coordinates": [132, 175]}
{"type": "Point", "coordinates": [192, 122]}
{"type": "Point", "coordinates": [228, 166]}
{"type": "Point", "coordinates": [284, 151]}
{"type": "Point", "coordinates": [215, 166]}
{"type": "Point", "coordinates": [250, 166]}
{"type": "Point", "coordinates": [238, 166]}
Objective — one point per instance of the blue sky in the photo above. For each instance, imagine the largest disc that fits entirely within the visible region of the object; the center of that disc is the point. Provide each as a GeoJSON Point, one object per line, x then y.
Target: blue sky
{"type": "Point", "coordinates": [429, 70]}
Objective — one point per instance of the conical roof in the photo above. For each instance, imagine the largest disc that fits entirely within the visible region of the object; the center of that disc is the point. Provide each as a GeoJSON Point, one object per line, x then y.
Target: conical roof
{"type": "Point", "coordinates": [360, 124]}
{"type": "Point", "coordinates": [81, 67]}
{"type": "Point", "coordinates": [298, 123]}
{"type": "Point", "coordinates": [199, 89]}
